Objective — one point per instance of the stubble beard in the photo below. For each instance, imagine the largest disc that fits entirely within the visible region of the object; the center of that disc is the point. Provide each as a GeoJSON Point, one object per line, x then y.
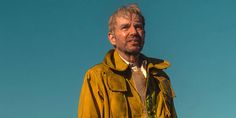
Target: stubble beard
{"type": "Point", "coordinates": [131, 52]}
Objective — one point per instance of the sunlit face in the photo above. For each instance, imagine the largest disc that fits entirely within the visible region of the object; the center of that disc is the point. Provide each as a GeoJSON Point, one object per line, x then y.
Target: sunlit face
{"type": "Point", "coordinates": [128, 34]}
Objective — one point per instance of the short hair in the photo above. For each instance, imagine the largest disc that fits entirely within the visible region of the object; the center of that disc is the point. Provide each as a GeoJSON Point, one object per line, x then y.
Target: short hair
{"type": "Point", "coordinates": [123, 12]}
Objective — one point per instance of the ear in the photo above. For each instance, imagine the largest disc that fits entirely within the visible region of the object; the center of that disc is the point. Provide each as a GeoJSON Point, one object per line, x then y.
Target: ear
{"type": "Point", "coordinates": [112, 38]}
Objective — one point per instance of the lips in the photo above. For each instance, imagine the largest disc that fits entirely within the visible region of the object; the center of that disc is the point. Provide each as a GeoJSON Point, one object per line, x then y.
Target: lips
{"type": "Point", "coordinates": [135, 42]}
{"type": "Point", "coordinates": [134, 39]}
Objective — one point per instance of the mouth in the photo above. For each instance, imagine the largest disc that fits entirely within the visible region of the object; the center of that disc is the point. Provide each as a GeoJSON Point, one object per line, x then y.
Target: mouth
{"type": "Point", "coordinates": [134, 39]}
{"type": "Point", "coordinates": [135, 43]}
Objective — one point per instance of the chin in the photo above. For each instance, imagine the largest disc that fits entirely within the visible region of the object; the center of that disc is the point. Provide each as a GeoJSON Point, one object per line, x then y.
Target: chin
{"type": "Point", "coordinates": [134, 51]}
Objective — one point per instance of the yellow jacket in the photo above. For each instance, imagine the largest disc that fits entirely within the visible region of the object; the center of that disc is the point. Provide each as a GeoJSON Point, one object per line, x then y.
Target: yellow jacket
{"type": "Point", "coordinates": [108, 91]}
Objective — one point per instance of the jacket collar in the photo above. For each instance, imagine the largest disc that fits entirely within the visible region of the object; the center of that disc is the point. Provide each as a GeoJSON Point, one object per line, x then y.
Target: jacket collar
{"type": "Point", "coordinates": [114, 61]}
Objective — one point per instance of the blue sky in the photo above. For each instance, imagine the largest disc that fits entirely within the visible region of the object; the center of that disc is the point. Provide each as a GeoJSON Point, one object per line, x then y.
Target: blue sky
{"type": "Point", "coordinates": [46, 46]}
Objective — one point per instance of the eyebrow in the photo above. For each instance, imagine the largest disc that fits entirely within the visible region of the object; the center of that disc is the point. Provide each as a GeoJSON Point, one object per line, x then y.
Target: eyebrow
{"type": "Point", "coordinates": [125, 25]}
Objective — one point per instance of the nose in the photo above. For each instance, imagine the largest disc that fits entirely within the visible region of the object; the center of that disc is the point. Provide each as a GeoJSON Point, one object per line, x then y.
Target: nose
{"type": "Point", "coordinates": [133, 30]}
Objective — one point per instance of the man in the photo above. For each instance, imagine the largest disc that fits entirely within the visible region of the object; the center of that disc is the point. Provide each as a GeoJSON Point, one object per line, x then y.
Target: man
{"type": "Point", "coordinates": [127, 84]}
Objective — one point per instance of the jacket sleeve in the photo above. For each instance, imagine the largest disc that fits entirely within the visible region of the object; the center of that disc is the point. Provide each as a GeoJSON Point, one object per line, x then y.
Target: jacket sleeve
{"type": "Point", "coordinates": [172, 110]}
{"type": "Point", "coordinates": [168, 95]}
{"type": "Point", "coordinates": [172, 107]}
{"type": "Point", "coordinates": [90, 103]}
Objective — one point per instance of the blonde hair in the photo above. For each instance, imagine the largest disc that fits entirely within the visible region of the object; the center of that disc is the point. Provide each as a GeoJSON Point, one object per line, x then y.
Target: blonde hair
{"type": "Point", "coordinates": [124, 11]}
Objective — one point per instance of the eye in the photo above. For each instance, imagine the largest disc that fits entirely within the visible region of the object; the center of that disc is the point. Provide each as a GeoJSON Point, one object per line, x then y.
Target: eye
{"type": "Point", "coordinates": [138, 26]}
{"type": "Point", "coordinates": [124, 27]}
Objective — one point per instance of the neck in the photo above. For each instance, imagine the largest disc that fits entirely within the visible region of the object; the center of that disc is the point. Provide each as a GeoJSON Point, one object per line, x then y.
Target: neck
{"type": "Point", "coordinates": [132, 58]}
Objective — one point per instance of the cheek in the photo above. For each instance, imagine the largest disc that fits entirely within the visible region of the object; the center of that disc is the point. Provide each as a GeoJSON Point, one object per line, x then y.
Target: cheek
{"type": "Point", "coordinates": [123, 34]}
{"type": "Point", "coordinates": [141, 33]}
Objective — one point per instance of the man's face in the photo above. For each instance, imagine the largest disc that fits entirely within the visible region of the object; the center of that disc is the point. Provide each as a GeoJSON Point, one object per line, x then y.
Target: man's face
{"type": "Point", "coordinates": [128, 34]}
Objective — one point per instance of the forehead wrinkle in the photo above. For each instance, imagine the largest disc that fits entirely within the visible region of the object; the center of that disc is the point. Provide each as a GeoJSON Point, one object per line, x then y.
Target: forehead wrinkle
{"type": "Point", "coordinates": [126, 20]}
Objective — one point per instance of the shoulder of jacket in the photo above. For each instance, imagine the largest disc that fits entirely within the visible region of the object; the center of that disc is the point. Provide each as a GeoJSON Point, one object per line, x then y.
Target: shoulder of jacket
{"type": "Point", "coordinates": [156, 63]}
{"type": "Point", "coordinates": [97, 69]}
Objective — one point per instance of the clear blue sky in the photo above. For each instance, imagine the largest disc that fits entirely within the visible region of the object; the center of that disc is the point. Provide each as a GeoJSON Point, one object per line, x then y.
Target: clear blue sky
{"type": "Point", "coordinates": [47, 45]}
